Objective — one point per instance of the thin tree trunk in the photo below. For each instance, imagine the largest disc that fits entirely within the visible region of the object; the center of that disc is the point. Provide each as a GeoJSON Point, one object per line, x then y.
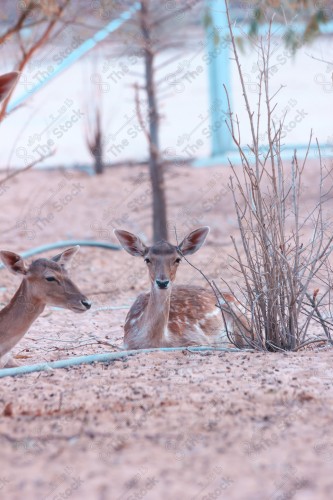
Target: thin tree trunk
{"type": "Point", "coordinates": [155, 166]}
{"type": "Point", "coordinates": [99, 166]}
{"type": "Point", "coordinates": [97, 147]}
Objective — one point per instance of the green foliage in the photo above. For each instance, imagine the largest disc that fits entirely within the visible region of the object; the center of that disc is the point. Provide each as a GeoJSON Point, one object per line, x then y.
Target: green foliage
{"type": "Point", "coordinates": [304, 11]}
{"type": "Point", "coordinates": [292, 40]}
{"type": "Point", "coordinates": [207, 20]}
{"type": "Point", "coordinates": [313, 27]}
{"type": "Point", "coordinates": [239, 40]}
{"type": "Point", "coordinates": [257, 18]}
{"type": "Point", "coordinates": [312, 16]}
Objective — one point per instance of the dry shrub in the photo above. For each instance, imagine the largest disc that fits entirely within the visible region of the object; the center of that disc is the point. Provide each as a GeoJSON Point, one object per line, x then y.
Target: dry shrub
{"type": "Point", "coordinates": [284, 274]}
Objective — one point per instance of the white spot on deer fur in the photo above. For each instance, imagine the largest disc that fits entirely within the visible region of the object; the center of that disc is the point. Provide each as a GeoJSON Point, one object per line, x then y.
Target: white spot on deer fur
{"type": "Point", "coordinates": [166, 333]}
{"type": "Point", "coordinates": [135, 319]}
{"type": "Point", "coordinates": [213, 313]}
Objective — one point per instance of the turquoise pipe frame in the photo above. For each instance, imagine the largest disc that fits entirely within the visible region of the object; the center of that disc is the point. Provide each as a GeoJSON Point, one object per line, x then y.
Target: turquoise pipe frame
{"type": "Point", "coordinates": [64, 244]}
{"type": "Point", "coordinates": [77, 53]}
{"type": "Point", "coordinates": [104, 358]}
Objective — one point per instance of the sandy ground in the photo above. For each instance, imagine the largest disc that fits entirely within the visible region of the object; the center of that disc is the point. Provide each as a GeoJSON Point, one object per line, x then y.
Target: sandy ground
{"type": "Point", "coordinates": [162, 425]}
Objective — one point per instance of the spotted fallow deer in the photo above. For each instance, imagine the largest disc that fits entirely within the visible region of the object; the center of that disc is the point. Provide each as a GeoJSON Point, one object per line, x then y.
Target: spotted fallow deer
{"type": "Point", "coordinates": [7, 83]}
{"type": "Point", "coordinates": [177, 316]}
{"type": "Point", "coordinates": [45, 282]}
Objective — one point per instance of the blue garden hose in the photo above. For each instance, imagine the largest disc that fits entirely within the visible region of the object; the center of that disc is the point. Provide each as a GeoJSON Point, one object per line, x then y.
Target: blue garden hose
{"type": "Point", "coordinates": [67, 243]}
{"type": "Point", "coordinates": [104, 358]}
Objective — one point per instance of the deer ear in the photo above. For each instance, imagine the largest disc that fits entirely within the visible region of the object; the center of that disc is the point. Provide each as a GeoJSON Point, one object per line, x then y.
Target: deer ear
{"type": "Point", "coordinates": [193, 241]}
{"type": "Point", "coordinates": [64, 258]}
{"type": "Point", "coordinates": [131, 243]}
{"type": "Point", "coordinates": [7, 83]}
{"type": "Point", "coordinates": [13, 262]}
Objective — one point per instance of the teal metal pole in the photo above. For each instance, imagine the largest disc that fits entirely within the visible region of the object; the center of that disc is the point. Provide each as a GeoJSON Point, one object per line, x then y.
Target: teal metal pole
{"type": "Point", "coordinates": [219, 73]}
{"type": "Point", "coordinates": [218, 57]}
{"type": "Point", "coordinates": [78, 53]}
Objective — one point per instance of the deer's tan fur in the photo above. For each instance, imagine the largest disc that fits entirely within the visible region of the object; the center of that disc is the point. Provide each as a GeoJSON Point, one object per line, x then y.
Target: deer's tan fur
{"type": "Point", "coordinates": [34, 293]}
{"type": "Point", "coordinates": [174, 316]}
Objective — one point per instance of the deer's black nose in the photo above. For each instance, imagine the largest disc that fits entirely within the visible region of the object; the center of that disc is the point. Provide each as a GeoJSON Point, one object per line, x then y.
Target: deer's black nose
{"type": "Point", "coordinates": [86, 303]}
{"type": "Point", "coordinates": [162, 283]}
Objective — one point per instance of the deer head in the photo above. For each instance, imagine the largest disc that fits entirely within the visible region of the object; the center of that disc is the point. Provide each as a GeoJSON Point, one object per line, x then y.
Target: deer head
{"type": "Point", "coordinates": [47, 280]}
{"type": "Point", "coordinates": [162, 258]}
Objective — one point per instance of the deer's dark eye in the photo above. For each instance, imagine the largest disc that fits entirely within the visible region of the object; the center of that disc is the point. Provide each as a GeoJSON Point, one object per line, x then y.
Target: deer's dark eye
{"type": "Point", "coordinates": [51, 278]}
{"type": "Point", "coordinates": [177, 261]}
{"type": "Point", "coordinates": [147, 261]}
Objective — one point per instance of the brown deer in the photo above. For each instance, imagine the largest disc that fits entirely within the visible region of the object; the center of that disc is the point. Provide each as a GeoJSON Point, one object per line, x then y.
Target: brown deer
{"type": "Point", "coordinates": [44, 282]}
{"type": "Point", "coordinates": [177, 316]}
{"type": "Point", "coordinates": [7, 83]}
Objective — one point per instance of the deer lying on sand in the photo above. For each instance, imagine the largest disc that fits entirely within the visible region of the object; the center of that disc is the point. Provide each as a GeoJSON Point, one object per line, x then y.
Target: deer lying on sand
{"type": "Point", "coordinates": [177, 316]}
{"type": "Point", "coordinates": [44, 282]}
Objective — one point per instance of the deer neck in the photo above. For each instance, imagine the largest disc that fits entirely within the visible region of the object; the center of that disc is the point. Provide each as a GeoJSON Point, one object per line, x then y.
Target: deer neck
{"type": "Point", "coordinates": [156, 316]}
{"type": "Point", "coordinates": [17, 317]}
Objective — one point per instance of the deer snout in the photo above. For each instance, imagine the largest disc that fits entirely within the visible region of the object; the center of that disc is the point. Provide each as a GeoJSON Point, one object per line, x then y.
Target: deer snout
{"type": "Point", "coordinates": [162, 284]}
{"type": "Point", "coordinates": [86, 303]}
